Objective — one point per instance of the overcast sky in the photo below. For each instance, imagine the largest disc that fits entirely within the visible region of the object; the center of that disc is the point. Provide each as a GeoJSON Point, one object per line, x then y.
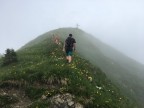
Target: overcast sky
{"type": "Point", "coordinates": [120, 23]}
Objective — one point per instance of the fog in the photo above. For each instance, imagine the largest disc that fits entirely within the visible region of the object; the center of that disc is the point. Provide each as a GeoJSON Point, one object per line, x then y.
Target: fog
{"type": "Point", "coordinates": [117, 23]}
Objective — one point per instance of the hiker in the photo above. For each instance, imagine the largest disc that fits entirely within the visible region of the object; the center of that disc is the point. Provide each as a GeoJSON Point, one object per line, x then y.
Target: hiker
{"type": "Point", "coordinates": [56, 39]}
{"type": "Point", "coordinates": [69, 47]}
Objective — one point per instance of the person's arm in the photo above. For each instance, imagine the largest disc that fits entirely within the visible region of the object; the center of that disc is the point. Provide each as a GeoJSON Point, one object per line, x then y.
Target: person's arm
{"type": "Point", "coordinates": [64, 46]}
{"type": "Point", "coordinates": [74, 46]}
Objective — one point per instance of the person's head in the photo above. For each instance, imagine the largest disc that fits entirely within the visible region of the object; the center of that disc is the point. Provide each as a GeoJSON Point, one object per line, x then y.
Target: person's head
{"type": "Point", "coordinates": [70, 35]}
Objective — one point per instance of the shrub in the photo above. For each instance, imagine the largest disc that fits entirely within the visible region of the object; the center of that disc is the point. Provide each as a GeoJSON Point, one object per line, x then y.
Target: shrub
{"type": "Point", "coordinates": [9, 57]}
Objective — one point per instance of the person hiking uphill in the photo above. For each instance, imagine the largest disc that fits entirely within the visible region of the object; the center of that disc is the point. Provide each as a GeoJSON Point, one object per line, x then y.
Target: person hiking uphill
{"type": "Point", "coordinates": [69, 47]}
{"type": "Point", "coordinates": [56, 39]}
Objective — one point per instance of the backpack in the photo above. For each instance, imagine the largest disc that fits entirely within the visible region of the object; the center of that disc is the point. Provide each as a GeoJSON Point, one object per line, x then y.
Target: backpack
{"type": "Point", "coordinates": [69, 42]}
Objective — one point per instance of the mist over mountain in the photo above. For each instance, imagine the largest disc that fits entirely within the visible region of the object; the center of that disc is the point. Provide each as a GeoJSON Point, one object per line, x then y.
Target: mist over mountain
{"type": "Point", "coordinates": [0, 55]}
{"type": "Point", "coordinates": [121, 69]}
{"type": "Point", "coordinates": [41, 63]}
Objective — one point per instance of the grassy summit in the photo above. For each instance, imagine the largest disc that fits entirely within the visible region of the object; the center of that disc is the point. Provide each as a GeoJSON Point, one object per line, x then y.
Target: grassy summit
{"type": "Point", "coordinates": [42, 73]}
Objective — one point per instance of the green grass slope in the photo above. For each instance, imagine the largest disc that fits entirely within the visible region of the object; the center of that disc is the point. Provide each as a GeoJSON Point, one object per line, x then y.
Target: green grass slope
{"type": "Point", "coordinates": [43, 72]}
{"type": "Point", "coordinates": [122, 70]}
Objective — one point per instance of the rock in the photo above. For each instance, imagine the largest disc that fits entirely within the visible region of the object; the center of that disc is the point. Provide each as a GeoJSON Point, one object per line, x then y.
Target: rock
{"type": "Point", "coordinates": [43, 97]}
{"type": "Point", "coordinates": [78, 105]}
{"type": "Point", "coordinates": [64, 101]}
{"type": "Point", "coordinates": [4, 93]}
{"type": "Point", "coordinates": [70, 103]}
{"type": "Point", "coordinates": [15, 95]}
{"type": "Point", "coordinates": [60, 100]}
{"type": "Point", "coordinates": [63, 82]}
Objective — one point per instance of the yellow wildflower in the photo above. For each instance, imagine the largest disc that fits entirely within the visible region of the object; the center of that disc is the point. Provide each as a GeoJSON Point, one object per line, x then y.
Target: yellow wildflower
{"type": "Point", "coordinates": [90, 78]}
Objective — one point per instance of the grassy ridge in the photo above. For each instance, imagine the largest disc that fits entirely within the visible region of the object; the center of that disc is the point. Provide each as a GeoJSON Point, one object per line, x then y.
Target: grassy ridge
{"type": "Point", "coordinates": [42, 70]}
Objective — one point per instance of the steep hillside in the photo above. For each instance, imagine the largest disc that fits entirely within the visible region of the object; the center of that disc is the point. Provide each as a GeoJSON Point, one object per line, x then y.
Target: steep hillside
{"type": "Point", "coordinates": [122, 70]}
{"type": "Point", "coordinates": [41, 78]}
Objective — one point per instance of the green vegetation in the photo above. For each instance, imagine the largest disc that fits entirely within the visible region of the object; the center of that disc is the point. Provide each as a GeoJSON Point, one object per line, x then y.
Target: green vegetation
{"type": "Point", "coordinates": [42, 70]}
{"type": "Point", "coordinates": [6, 100]}
{"type": "Point", "coordinates": [9, 57]}
{"type": "Point", "coordinates": [126, 73]}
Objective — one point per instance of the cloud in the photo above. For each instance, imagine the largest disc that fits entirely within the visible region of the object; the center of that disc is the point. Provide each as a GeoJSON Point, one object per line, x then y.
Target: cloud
{"type": "Point", "coordinates": [118, 23]}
